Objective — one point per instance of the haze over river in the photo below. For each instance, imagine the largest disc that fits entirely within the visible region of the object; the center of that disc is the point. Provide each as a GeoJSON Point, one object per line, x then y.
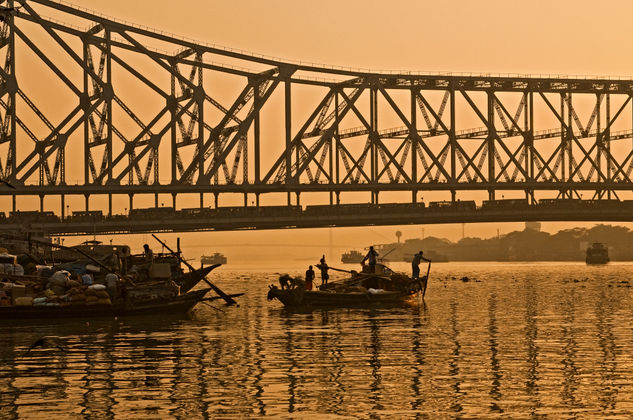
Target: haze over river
{"type": "Point", "coordinates": [516, 340]}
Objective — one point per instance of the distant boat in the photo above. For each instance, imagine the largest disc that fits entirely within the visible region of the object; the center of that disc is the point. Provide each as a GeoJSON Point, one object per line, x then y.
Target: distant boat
{"type": "Point", "coordinates": [352, 257]}
{"type": "Point", "coordinates": [597, 253]}
{"type": "Point", "coordinates": [216, 258]}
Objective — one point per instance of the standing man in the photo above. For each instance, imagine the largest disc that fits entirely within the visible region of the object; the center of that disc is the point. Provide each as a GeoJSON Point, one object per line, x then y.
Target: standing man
{"type": "Point", "coordinates": [371, 259]}
{"type": "Point", "coordinates": [309, 278]}
{"type": "Point", "coordinates": [415, 265]}
{"type": "Point", "coordinates": [324, 274]}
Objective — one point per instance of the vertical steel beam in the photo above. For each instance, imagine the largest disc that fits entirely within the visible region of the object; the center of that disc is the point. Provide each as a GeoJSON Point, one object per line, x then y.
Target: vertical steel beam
{"type": "Point", "coordinates": [108, 99]}
{"type": "Point", "coordinates": [563, 138]}
{"type": "Point", "coordinates": [200, 97]}
{"type": "Point", "coordinates": [453, 142]}
{"type": "Point", "coordinates": [413, 140]}
{"type": "Point", "coordinates": [606, 141]}
{"type": "Point", "coordinates": [373, 132]}
{"type": "Point", "coordinates": [337, 138]}
{"type": "Point", "coordinates": [256, 135]}
{"type": "Point", "coordinates": [85, 104]}
{"type": "Point", "coordinates": [288, 128]}
{"type": "Point", "coordinates": [491, 145]}
{"type": "Point", "coordinates": [599, 143]}
{"type": "Point", "coordinates": [12, 96]}
{"type": "Point", "coordinates": [171, 106]}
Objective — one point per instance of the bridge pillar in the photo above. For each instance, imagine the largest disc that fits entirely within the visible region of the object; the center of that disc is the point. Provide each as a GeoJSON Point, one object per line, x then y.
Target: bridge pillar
{"type": "Point", "coordinates": [298, 198]}
{"type": "Point", "coordinates": [453, 195]}
{"type": "Point", "coordinates": [41, 203]}
{"type": "Point", "coordinates": [257, 199]}
{"type": "Point", "coordinates": [173, 200]}
{"type": "Point", "coordinates": [110, 205]}
{"type": "Point", "coordinates": [63, 212]}
{"type": "Point", "coordinates": [331, 198]}
{"type": "Point", "coordinates": [155, 199]}
{"type": "Point", "coordinates": [289, 201]}
{"type": "Point", "coordinates": [216, 199]}
{"type": "Point", "coordinates": [338, 197]}
{"type": "Point", "coordinates": [14, 202]}
{"type": "Point", "coordinates": [245, 199]}
{"type": "Point", "coordinates": [491, 194]}
{"type": "Point", "coordinates": [414, 196]}
{"type": "Point", "coordinates": [131, 202]}
{"type": "Point", "coordinates": [201, 200]}
{"type": "Point", "coordinates": [87, 200]}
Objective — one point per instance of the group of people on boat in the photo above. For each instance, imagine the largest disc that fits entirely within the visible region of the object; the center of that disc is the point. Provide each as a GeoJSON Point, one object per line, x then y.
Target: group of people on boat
{"type": "Point", "coordinates": [310, 274]}
{"type": "Point", "coordinates": [369, 266]}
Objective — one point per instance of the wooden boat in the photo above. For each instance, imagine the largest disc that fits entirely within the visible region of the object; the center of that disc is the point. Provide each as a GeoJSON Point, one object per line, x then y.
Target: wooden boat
{"type": "Point", "coordinates": [158, 305]}
{"type": "Point", "coordinates": [384, 287]}
{"type": "Point", "coordinates": [597, 253]}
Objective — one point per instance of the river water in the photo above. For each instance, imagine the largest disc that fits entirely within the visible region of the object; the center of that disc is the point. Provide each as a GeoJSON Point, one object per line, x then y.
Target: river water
{"type": "Point", "coordinates": [515, 340]}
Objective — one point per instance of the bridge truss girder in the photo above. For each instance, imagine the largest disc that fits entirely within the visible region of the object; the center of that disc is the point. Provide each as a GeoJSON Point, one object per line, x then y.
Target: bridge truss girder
{"type": "Point", "coordinates": [358, 131]}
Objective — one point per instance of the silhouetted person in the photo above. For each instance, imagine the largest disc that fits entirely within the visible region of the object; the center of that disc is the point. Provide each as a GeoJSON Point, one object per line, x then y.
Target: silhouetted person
{"type": "Point", "coordinates": [309, 278]}
{"type": "Point", "coordinates": [415, 265]}
{"type": "Point", "coordinates": [322, 265]}
{"type": "Point", "coordinates": [371, 259]}
{"type": "Point", "coordinates": [148, 255]}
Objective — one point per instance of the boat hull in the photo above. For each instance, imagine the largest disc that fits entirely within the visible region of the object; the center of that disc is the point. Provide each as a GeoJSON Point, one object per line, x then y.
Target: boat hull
{"type": "Point", "coordinates": [179, 304]}
{"type": "Point", "coordinates": [298, 297]}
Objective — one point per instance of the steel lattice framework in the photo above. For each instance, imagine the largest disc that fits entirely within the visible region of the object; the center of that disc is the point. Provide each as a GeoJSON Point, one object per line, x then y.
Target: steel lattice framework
{"type": "Point", "coordinates": [152, 113]}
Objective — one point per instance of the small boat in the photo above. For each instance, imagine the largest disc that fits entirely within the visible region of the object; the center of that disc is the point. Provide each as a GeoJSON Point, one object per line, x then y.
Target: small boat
{"type": "Point", "coordinates": [216, 258]}
{"type": "Point", "coordinates": [361, 289]}
{"type": "Point", "coordinates": [597, 253]}
{"type": "Point", "coordinates": [352, 257]}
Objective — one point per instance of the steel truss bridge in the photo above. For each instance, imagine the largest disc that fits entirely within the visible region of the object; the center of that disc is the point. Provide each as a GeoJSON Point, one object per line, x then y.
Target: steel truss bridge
{"type": "Point", "coordinates": [126, 111]}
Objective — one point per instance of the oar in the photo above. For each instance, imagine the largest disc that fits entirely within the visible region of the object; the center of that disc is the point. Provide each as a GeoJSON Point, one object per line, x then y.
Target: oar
{"type": "Point", "coordinates": [339, 269]}
{"type": "Point", "coordinates": [426, 282]}
{"type": "Point", "coordinates": [229, 300]}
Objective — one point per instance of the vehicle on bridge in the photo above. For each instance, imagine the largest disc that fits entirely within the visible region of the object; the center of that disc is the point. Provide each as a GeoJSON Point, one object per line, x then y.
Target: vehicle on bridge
{"type": "Point", "coordinates": [510, 203]}
{"type": "Point", "coordinates": [87, 216]}
{"type": "Point", "coordinates": [153, 213]}
{"type": "Point", "coordinates": [458, 205]}
{"type": "Point", "coordinates": [33, 217]}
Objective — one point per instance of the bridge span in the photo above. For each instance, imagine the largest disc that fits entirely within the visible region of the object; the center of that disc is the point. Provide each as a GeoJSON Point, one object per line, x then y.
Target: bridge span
{"type": "Point", "coordinates": [128, 111]}
{"type": "Point", "coordinates": [292, 217]}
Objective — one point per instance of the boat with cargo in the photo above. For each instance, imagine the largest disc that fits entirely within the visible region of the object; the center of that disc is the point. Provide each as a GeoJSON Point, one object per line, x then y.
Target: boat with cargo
{"type": "Point", "coordinates": [364, 288]}
{"type": "Point", "coordinates": [98, 286]}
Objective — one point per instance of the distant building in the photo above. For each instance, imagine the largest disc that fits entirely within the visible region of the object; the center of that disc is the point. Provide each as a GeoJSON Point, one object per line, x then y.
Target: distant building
{"type": "Point", "coordinates": [535, 226]}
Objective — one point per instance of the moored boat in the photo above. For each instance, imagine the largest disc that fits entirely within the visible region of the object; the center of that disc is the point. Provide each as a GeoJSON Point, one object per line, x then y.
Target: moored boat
{"type": "Point", "coordinates": [92, 287]}
{"type": "Point", "coordinates": [352, 257]}
{"type": "Point", "coordinates": [361, 289]}
{"type": "Point", "coordinates": [158, 305]}
{"type": "Point", "coordinates": [216, 258]}
{"type": "Point", "coordinates": [597, 253]}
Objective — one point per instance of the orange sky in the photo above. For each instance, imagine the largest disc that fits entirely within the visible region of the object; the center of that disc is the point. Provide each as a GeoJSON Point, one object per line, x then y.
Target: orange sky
{"type": "Point", "coordinates": [536, 37]}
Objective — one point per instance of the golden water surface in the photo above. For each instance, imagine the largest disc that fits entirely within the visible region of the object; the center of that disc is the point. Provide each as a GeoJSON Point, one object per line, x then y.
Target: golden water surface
{"type": "Point", "coordinates": [514, 341]}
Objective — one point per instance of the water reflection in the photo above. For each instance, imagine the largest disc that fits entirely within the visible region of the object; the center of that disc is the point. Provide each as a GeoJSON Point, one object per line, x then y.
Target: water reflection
{"type": "Point", "coordinates": [518, 343]}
